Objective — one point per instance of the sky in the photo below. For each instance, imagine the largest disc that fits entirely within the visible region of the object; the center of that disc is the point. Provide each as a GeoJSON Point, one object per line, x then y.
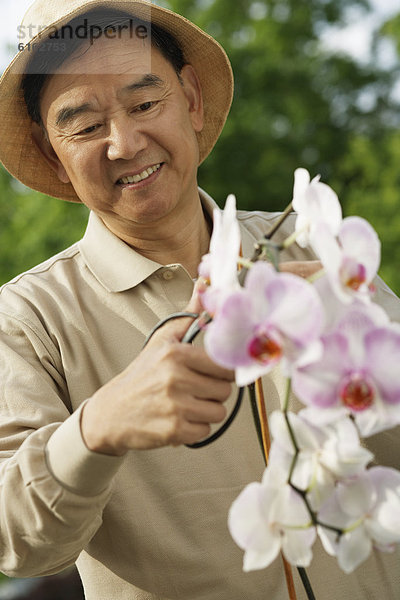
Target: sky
{"type": "Point", "coordinates": [355, 38]}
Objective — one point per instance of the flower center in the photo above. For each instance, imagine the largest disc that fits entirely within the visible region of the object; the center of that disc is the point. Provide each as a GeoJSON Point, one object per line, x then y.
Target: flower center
{"type": "Point", "coordinates": [357, 392]}
{"type": "Point", "coordinates": [265, 349]}
{"type": "Point", "coordinates": [353, 274]}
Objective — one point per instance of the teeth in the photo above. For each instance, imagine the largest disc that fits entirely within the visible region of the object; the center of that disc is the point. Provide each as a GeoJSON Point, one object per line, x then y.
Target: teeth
{"type": "Point", "coordinates": [144, 175]}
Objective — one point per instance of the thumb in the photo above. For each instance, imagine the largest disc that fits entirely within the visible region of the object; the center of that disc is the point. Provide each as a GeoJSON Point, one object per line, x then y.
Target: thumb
{"type": "Point", "coordinates": [195, 305]}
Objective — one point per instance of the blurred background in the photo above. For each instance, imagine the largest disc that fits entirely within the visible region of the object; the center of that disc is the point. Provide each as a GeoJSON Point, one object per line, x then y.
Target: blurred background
{"type": "Point", "coordinates": [317, 86]}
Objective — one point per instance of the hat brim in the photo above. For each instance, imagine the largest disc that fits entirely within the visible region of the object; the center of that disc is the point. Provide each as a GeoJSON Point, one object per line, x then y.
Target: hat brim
{"type": "Point", "coordinates": [20, 155]}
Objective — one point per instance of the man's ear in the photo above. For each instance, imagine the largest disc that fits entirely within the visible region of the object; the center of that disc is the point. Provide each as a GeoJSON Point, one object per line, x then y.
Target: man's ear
{"type": "Point", "coordinates": [46, 150]}
{"type": "Point", "coordinates": [193, 93]}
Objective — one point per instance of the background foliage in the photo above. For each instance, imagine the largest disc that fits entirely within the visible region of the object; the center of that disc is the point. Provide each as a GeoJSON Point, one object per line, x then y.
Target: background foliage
{"type": "Point", "coordinates": [296, 104]}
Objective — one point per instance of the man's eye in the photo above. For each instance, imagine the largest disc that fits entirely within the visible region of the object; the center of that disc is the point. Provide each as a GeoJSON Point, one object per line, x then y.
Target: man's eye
{"type": "Point", "coordinates": [88, 130]}
{"type": "Point", "coordinates": [145, 106]}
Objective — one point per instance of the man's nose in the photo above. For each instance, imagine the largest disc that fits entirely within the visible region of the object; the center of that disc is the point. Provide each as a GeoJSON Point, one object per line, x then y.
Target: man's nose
{"type": "Point", "coordinates": [125, 139]}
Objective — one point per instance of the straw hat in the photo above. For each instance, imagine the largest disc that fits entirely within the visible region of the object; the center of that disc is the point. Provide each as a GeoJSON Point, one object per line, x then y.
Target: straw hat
{"type": "Point", "coordinates": [19, 154]}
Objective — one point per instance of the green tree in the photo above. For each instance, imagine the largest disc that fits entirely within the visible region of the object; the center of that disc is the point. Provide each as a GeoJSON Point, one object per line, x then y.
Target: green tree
{"type": "Point", "coordinates": [33, 226]}
{"type": "Point", "coordinates": [295, 104]}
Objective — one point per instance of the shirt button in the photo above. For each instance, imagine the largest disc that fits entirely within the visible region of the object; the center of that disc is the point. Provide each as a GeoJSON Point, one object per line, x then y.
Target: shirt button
{"type": "Point", "coordinates": [168, 275]}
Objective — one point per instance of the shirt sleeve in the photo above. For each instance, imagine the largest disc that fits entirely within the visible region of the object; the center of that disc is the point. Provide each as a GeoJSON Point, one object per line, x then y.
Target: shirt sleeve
{"type": "Point", "coordinates": [53, 489]}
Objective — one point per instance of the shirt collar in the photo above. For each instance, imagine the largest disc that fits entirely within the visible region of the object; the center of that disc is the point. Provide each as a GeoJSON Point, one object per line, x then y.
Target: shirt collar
{"type": "Point", "coordinates": [117, 266]}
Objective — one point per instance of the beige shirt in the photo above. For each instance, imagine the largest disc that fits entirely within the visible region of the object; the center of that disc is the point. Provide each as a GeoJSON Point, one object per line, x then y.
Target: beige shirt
{"type": "Point", "coordinates": [154, 524]}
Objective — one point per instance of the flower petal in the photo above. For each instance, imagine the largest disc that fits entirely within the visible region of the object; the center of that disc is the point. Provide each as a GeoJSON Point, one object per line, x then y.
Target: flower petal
{"type": "Point", "coordinates": [296, 546]}
{"type": "Point", "coordinates": [305, 434]}
{"type": "Point", "coordinates": [316, 204]}
{"type": "Point", "coordinates": [254, 559]}
{"type": "Point", "coordinates": [332, 514]}
{"type": "Point", "coordinates": [342, 453]}
{"type": "Point", "coordinates": [383, 359]}
{"type": "Point", "coordinates": [301, 182]}
{"type": "Point", "coordinates": [354, 548]}
{"type": "Point", "coordinates": [249, 374]}
{"type": "Point", "coordinates": [290, 509]}
{"type": "Point", "coordinates": [295, 308]}
{"type": "Point", "coordinates": [246, 521]}
{"type": "Point", "coordinates": [227, 336]}
{"type": "Point", "coordinates": [225, 246]}
{"type": "Point", "coordinates": [357, 496]}
{"type": "Point", "coordinates": [329, 539]}
{"type": "Point", "coordinates": [360, 241]}
{"type": "Point", "coordinates": [328, 250]}
{"type": "Point", "coordinates": [249, 526]}
{"type": "Point", "coordinates": [317, 383]}
{"type": "Point", "coordinates": [327, 416]}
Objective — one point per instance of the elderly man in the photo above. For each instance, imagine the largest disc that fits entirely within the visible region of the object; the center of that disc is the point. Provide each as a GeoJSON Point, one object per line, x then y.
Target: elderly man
{"type": "Point", "coordinates": [115, 104]}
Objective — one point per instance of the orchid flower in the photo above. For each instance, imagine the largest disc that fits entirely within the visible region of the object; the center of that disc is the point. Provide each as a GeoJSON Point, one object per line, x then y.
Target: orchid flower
{"type": "Point", "coordinates": [367, 509]}
{"type": "Point", "coordinates": [315, 203]}
{"type": "Point", "coordinates": [219, 267]}
{"type": "Point", "coordinates": [342, 354]}
{"type": "Point", "coordinates": [336, 310]}
{"type": "Point", "coordinates": [324, 454]}
{"type": "Point", "coordinates": [268, 517]}
{"type": "Point", "coordinates": [352, 260]}
{"type": "Point", "coordinates": [275, 317]}
{"type": "Point", "coordinates": [358, 374]}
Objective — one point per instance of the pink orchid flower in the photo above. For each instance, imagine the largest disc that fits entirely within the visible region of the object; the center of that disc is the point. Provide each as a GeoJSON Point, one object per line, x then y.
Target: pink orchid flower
{"type": "Point", "coordinates": [358, 374]}
{"type": "Point", "coordinates": [352, 260]}
{"type": "Point", "coordinates": [275, 317]}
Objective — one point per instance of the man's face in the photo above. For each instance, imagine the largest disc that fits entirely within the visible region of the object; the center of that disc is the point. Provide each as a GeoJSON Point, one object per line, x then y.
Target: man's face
{"type": "Point", "coordinates": [123, 131]}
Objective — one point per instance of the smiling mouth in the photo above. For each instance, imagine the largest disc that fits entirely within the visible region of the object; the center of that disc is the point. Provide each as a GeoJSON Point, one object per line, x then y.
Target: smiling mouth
{"type": "Point", "coordinates": [140, 176]}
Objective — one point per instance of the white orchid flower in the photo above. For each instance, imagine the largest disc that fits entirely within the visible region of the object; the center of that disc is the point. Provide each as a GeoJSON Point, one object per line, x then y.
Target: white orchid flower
{"type": "Point", "coordinates": [269, 517]}
{"type": "Point", "coordinates": [315, 203]}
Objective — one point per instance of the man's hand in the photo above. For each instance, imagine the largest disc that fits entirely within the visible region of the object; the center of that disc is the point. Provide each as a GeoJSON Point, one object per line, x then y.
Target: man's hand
{"type": "Point", "coordinates": [168, 395]}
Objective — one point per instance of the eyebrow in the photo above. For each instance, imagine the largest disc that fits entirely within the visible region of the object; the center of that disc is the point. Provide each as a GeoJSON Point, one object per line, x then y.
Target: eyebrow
{"type": "Point", "coordinates": [69, 113]}
{"type": "Point", "coordinates": [148, 80]}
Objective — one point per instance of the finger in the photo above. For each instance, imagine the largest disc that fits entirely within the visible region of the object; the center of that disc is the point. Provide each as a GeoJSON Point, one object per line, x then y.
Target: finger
{"type": "Point", "coordinates": [191, 433]}
{"type": "Point", "coordinates": [198, 360]}
{"type": "Point", "coordinates": [180, 380]}
{"type": "Point", "coordinates": [202, 386]}
{"type": "Point", "coordinates": [204, 411]}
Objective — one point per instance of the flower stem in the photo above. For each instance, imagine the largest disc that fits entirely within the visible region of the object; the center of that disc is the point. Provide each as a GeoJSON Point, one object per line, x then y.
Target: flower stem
{"type": "Point", "coordinates": [287, 395]}
{"type": "Point", "coordinates": [266, 445]}
{"type": "Point", "coordinates": [281, 220]}
{"type": "Point", "coordinates": [306, 583]}
{"type": "Point", "coordinates": [292, 238]}
{"type": "Point", "coordinates": [254, 410]}
{"type": "Point", "coordinates": [289, 579]}
{"type": "Point", "coordinates": [260, 247]}
{"type": "Point", "coordinates": [266, 438]}
{"type": "Point", "coordinates": [315, 276]}
{"type": "Point", "coordinates": [243, 262]}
